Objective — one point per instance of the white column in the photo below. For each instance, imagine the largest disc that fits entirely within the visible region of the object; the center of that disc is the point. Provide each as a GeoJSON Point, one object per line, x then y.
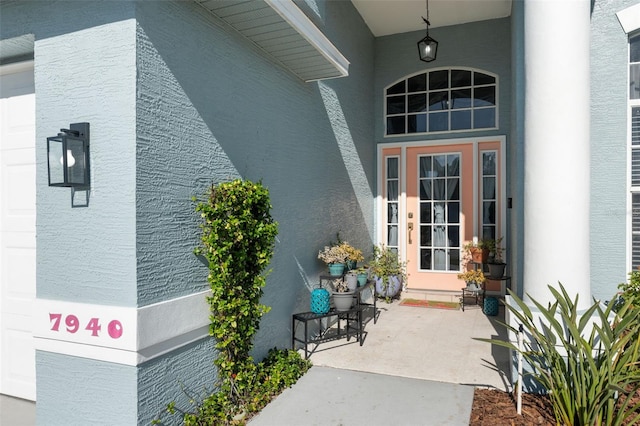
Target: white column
{"type": "Point", "coordinates": [557, 160]}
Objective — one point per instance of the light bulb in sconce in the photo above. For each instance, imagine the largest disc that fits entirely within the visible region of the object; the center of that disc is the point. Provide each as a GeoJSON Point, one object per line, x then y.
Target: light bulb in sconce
{"type": "Point", "coordinates": [70, 160]}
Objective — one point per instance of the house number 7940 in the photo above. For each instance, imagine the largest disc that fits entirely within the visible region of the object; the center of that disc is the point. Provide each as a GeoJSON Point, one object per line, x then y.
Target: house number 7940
{"type": "Point", "coordinates": [72, 325]}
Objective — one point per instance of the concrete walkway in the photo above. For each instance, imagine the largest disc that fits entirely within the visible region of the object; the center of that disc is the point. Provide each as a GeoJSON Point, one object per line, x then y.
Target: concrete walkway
{"type": "Point", "coordinates": [418, 366]}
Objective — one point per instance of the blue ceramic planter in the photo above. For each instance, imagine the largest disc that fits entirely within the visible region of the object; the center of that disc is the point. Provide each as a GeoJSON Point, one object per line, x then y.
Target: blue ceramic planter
{"type": "Point", "coordinates": [336, 269]}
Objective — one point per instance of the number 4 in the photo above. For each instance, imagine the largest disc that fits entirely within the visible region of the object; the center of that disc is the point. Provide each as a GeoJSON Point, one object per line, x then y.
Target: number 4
{"type": "Point", "coordinates": [94, 326]}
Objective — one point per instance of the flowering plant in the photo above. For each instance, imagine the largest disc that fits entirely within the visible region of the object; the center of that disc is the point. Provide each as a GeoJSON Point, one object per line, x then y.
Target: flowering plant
{"type": "Point", "coordinates": [340, 286]}
{"type": "Point", "coordinates": [333, 254]}
{"type": "Point", "coordinates": [353, 254]}
{"type": "Point", "coordinates": [473, 275]}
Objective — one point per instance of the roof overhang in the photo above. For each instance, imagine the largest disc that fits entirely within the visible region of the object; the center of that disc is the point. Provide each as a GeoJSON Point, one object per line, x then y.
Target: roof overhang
{"type": "Point", "coordinates": [285, 33]}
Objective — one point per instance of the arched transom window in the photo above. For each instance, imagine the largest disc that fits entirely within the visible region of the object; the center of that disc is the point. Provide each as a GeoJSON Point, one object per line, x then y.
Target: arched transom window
{"type": "Point", "coordinates": [441, 100]}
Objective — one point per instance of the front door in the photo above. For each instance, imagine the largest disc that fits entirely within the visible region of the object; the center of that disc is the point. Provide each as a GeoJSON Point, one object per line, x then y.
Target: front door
{"type": "Point", "coordinates": [437, 197]}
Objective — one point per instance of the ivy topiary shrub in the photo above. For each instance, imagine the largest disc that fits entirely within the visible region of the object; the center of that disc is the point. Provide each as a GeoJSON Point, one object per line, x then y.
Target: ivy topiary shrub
{"type": "Point", "coordinates": [238, 236]}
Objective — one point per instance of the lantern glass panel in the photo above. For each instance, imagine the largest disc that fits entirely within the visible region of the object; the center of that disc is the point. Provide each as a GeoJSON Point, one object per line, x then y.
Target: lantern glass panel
{"type": "Point", "coordinates": [55, 159]}
{"type": "Point", "coordinates": [76, 164]}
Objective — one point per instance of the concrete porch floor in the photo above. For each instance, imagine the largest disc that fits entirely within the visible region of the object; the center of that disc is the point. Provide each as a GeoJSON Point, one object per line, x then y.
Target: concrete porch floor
{"type": "Point", "coordinates": [425, 343]}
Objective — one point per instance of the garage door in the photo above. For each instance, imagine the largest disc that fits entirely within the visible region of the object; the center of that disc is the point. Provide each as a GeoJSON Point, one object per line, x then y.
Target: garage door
{"type": "Point", "coordinates": [17, 231]}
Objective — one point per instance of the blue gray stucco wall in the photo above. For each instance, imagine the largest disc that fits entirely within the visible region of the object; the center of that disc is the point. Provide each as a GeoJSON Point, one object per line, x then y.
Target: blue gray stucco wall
{"type": "Point", "coordinates": [609, 135]}
{"type": "Point", "coordinates": [177, 101]}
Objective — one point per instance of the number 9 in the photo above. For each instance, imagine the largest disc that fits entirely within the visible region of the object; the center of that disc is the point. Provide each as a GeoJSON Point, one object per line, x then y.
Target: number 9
{"type": "Point", "coordinates": [72, 323]}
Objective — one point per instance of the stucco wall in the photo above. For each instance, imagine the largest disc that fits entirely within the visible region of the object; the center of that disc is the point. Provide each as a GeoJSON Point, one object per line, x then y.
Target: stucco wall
{"type": "Point", "coordinates": [610, 260]}
{"type": "Point", "coordinates": [212, 107]}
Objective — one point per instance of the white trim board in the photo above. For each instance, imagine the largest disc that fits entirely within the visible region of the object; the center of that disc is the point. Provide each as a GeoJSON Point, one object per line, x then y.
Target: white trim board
{"type": "Point", "coordinates": [124, 335]}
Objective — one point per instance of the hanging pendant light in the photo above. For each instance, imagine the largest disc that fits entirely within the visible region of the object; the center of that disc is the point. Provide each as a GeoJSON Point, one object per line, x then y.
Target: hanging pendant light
{"type": "Point", "coordinates": [427, 47]}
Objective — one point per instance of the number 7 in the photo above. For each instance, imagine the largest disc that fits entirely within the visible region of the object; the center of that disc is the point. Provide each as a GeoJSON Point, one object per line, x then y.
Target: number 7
{"type": "Point", "coordinates": [56, 321]}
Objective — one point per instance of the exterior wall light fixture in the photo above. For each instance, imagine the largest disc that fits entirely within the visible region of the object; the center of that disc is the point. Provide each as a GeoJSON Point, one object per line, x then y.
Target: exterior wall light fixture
{"type": "Point", "coordinates": [427, 47]}
{"type": "Point", "coordinates": [68, 159]}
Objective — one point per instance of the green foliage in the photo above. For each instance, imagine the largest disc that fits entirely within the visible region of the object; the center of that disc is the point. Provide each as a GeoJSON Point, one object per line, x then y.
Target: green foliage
{"type": "Point", "coordinates": [585, 361]}
{"type": "Point", "coordinates": [631, 290]}
{"type": "Point", "coordinates": [259, 384]}
{"type": "Point", "coordinates": [238, 236]}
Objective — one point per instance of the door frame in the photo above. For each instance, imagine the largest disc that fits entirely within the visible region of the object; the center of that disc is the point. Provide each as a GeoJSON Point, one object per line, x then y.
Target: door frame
{"type": "Point", "coordinates": [401, 147]}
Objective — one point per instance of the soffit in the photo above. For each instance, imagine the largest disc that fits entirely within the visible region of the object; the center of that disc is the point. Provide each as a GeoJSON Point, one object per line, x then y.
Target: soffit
{"type": "Point", "coordinates": [284, 32]}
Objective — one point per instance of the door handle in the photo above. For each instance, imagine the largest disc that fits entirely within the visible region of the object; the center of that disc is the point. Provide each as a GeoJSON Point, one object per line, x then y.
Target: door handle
{"type": "Point", "coordinates": [410, 228]}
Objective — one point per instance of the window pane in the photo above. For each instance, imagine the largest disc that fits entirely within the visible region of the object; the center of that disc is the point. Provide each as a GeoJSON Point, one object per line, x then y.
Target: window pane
{"type": "Point", "coordinates": [454, 260]}
{"type": "Point", "coordinates": [438, 101]}
{"type": "Point", "coordinates": [438, 79]}
{"type": "Point", "coordinates": [395, 125]}
{"type": "Point", "coordinates": [635, 212]}
{"type": "Point", "coordinates": [453, 192]}
{"type": "Point", "coordinates": [418, 83]}
{"type": "Point", "coordinates": [480, 78]}
{"type": "Point", "coordinates": [392, 236]}
{"type": "Point", "coordinates": [460, 78]}
{"type": "Point", "coordinates": [392, 213]}
{"type": "Point", "coordinates": [425, 167]}
{"type": "Point", "coordinates": [439, 166]}
{"type": "Point", "coordinates": [461, 98]}
{"type": "Point", "coordinates": [489, 212]}
{"type": "Point", "coordinates": [425, 213]}
{"type": "Point", "coordinates": [425, 259]}
{"type": "Point", "coordinates": [453, 213]}
{"type": "Point", "coordinates": [395, 105]}
{"type": "Point", "coordinates": [438, 121]}
{"type": "Point", "coordinates": [484, 96]}
{"type": "Point", "coordinates": [489, 163]}
{"type": "Point", "coordinates": [484, 118]}
{"type": "Point", "coordinates": [460, 120]}
{"type": "Point", "coordinates": [417, 123]}
{"type": "Point", "coordinates": [392, 190]}
{"type": "Point", "coordinates": [489, 188]}
{"type": "Point", "coordinates": [634, 49]}
{"type": "Point", "coordinates": [425, 189]}
{"type": "Point", "coordinates": [488, 232]}
{"type": "Point", "coordinates": [453, 165]}
{"type": "Point", "coordinates": [392, 168]}
{"type": "Point", "coordinates": [634, 81]}
{"type": "Point", "coordinates": [418, 103]}
{"type": "Point", "coordinates": [396, 88]}
{"type": "Point", "coordinates": [425, 235]}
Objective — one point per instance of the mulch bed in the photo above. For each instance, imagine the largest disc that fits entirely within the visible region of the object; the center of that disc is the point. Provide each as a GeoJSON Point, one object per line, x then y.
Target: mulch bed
{"type": "Point", "coordinates": [497, 408]}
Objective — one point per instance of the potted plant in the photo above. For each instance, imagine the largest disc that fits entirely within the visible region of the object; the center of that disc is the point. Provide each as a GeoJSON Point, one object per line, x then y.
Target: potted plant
{"type": "Point", "coordinates": [362, 274]}
{"type": "Point", "coordinates": [495, 261]}
{"type": "Point", "coordinates": [335, 257]}
{"type": "Point", "coordinates": [342, 295]}
{"type": "Point", "coordinates": [472, 276]}
{"type": "Point", "coordinates": [388, 271]}
{"type": "Point", "coordinates": [354, 255]}
{"type": "Point", "coordinates": [477, 250]}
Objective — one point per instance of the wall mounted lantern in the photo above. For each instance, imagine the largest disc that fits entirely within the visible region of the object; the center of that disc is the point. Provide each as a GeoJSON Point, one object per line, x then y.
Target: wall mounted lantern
{"type": "Point", "coordinates": [68, 157]}
{"type": "Point", "coordinates": [427, 47]}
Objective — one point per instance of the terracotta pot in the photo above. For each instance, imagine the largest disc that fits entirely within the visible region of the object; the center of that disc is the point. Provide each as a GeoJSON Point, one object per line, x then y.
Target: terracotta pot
{"type": "Point", "coordinates": [479, 255]}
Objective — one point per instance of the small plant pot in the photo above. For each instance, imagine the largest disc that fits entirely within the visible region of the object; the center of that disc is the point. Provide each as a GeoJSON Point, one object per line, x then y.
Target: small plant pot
{"type": "Point", "coordinates": [343, 301]}
{"type": "Point", "coordinates": [352, 281]}
{"type": "Point", "coordinates": [362, 278]}
{"type": "Point", "coordinates": [496, 270]}
{"type": "Point", "coordinates": [479, 255]}
{"type": "Point", "coordinates": [336, 269]}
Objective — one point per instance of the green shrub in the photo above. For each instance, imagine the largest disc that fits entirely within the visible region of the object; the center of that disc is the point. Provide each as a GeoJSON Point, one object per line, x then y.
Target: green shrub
{"type": "Point", "coordinates": [584, 375]}
{"type": "Point", "coordinates": [631, 290]}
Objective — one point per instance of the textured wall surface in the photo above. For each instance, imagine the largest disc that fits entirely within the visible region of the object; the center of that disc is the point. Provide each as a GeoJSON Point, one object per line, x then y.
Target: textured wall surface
{"type": "Point", "coordinates": [482, 45]}
{"type": "Point", "coordinates": [79, 391]}
{"type": "Point", "coordinates": [609, 130]}
{"type": "Point", "coordinates": [186, 374]}
{"type": "Point", "coordinates": [212, 107]}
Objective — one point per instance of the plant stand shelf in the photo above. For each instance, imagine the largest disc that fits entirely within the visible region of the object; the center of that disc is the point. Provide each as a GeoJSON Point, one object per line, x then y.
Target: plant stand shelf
{"type": "Point", "coordinates": [353, 326]}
